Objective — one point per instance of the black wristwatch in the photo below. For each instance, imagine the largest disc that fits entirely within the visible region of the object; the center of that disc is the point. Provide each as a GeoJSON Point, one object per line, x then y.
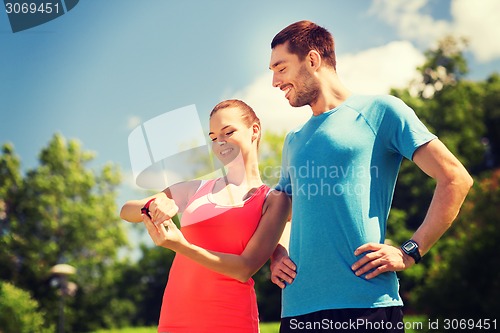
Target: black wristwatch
{"type": "Point", "coordinates": [410, 247]}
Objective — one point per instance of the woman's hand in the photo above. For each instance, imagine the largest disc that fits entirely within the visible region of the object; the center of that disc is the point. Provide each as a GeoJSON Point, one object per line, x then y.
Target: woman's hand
{"type": "Point", "coordinates": [162, 209]}
{"type": "Point", "coordinates": [165, 234]}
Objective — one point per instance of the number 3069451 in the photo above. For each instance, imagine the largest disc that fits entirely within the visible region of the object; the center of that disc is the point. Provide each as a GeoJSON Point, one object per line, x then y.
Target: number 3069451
{"type": "Point", "coordinates": [32, 8]}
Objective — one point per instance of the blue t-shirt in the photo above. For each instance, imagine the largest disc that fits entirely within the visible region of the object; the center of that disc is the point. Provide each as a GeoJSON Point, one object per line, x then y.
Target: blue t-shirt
{"type": "Point", "coordinates": [340, 168]}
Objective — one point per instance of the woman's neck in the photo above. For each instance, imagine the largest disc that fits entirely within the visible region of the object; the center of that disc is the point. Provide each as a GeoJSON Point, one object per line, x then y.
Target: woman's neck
{"type": "Point", "coordinates": [243, 173]}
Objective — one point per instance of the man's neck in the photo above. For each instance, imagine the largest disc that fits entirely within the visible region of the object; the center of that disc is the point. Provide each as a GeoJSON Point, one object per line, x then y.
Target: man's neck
{"type": "Point", "coordinates": [333, 93]}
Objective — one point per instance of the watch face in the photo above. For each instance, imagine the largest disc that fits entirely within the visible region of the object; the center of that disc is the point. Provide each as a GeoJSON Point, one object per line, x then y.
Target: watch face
{"type": "Point", "coordinates": [409, 247]}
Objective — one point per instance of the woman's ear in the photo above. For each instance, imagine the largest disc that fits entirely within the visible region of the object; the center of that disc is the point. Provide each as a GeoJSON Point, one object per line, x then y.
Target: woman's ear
{"type": "Point", "coordinates": [256, 131]}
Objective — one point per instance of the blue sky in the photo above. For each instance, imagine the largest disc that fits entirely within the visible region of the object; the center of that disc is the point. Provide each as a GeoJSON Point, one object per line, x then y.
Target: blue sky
{"type": "Point", "coordinates": [105, 67]}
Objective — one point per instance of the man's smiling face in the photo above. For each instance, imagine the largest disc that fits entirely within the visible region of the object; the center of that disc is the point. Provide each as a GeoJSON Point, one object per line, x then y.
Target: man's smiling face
{"type": "Point", "coordinates": [290, 74]}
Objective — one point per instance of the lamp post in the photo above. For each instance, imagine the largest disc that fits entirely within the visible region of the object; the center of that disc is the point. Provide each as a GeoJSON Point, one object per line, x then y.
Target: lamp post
{"type": "Point", "coordinates": [60, 273]}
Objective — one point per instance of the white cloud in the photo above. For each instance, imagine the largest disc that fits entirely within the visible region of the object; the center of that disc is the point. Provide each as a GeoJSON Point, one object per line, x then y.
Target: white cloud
{"type": "Point", "coordinates": [409, 20]}
{"type": "Point", "coordinates": [477, 20]}
{"type": "Point", "coordinates": [373, 71]}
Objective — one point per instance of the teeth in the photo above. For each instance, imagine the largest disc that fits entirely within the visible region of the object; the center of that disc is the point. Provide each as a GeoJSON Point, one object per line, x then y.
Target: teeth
{"type": "Point", "coordinates": [287, 89]}
{"type": "Point", "coordinates": [226, 151]}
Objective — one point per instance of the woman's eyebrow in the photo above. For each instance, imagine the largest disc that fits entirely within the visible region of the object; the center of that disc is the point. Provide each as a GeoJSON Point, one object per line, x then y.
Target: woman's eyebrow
{"type": "Point", "coordinates": [223, 128]}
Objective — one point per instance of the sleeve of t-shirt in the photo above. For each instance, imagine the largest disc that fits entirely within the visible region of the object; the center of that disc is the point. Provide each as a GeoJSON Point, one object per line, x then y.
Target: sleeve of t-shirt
{"type": "Point", "coordinates": [402, 128]}
{"type": "Point", "coordinates": [284, 184]}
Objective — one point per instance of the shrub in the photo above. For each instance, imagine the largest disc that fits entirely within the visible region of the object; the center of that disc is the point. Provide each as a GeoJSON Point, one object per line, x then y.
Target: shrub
{"type": "Point", "coordinates": [19, 313]}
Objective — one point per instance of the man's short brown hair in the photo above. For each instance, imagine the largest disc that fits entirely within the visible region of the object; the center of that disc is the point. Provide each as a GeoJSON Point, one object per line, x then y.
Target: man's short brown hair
{"type": "Point", "coordinates": [304, 36]}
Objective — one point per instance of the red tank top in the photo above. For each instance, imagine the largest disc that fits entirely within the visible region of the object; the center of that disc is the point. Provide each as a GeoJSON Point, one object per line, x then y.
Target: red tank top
{"type": "Point", "coordinates": [198, 300]}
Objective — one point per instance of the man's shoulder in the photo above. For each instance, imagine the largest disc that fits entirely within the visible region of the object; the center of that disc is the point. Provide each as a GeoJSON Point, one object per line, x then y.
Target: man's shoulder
{"type": "Point", "coordinates": [366, 103]}
{"type": "Point", "coordinates": [376, 109]}
{"type": "Point", "coordinates": [291, 133]}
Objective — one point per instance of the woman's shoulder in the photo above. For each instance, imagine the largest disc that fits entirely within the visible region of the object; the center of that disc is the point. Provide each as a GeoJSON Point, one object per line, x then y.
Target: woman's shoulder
{"type": "Point", "coordinates": [187, 189]}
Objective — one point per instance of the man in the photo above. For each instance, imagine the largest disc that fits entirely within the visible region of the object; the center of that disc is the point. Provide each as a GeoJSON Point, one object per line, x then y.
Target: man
{"type": "Point", "coordinates": [340, 169]}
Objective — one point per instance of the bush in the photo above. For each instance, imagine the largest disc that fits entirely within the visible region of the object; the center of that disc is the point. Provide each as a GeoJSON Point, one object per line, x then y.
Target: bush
{"type": "Point", "coordinates": [19, 313]}
{"type": "Point", "coordinates": [464, 283]}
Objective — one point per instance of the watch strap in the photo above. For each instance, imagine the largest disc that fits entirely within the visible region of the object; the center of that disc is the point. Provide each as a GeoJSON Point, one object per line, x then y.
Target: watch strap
{"type": "Point", "coordinates": [145, 209]}
{"type": "Point", "coordinates": [414, 252]}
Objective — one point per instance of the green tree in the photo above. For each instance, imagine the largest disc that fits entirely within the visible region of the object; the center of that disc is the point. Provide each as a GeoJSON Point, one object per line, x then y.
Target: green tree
{"type": "Point", "coordinates": [271, 146]}
{"type": "Point", "coordinates": [454, 110]}
{"type": "Point", "coordinates": [61, 212]}
{"type": "Point", "coordinates": [491, 104]}
{"type": "Point", "coordinates": [465, 115]}
{"type": "Point", "coordinates": [10, 182]}
{"type": "Point", "coordinates": [464, 281]}
{"type": "Point", "coordinates": [268, 294]}
{"type": "Point", "coordinates": [19, 312]}
{"type": "Point", "coordinates": [145, 282]}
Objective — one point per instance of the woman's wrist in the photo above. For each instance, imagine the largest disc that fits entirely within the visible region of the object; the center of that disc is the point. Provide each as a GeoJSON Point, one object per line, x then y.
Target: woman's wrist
{"type": "Point", "coordinates": [145, 208]}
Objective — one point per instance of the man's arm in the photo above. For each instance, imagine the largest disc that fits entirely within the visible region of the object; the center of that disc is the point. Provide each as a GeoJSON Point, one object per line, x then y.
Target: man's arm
{"type": "Point", "coordinates": [452, 185]}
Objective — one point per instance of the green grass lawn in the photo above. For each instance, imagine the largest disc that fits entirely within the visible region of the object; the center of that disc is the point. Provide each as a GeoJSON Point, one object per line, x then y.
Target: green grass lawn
{"type": "Point", "coordinates": [269, 327]}
{"type": "Point", "coordinates": [129, 330]}
{"type": "Point", "coordinates": [274, 327]}
{"type": "Point", "coordinates": [264, 328]}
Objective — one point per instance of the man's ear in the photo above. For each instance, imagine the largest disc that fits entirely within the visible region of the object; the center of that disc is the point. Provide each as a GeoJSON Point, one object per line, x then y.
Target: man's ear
{"type": "Point", "coordinates": [313, 59]}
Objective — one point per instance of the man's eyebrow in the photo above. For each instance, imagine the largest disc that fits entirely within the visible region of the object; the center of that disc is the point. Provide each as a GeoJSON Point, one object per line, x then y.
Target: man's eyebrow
{"type": "Point", "coordinates": [277, 63]}
{"type": "Point", "coordinates": [223, 128]}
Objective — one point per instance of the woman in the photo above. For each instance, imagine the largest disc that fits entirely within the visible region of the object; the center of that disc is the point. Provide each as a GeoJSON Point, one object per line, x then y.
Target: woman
{"type": "Point", "coordinates": [230, 227]}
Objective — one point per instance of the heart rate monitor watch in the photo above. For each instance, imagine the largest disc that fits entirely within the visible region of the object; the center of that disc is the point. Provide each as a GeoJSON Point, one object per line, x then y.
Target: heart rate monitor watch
{"type": "Point", "coordinates": [145, 209]}
{"type": "Point", "coordinates": [410, 247]}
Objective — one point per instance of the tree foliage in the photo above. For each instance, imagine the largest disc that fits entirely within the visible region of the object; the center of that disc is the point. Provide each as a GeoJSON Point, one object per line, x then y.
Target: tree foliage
{"type": "Point", "coordinates": [465, 115]}
{"type": "Point", "coordinates": [270, 157]}
{"type": "Point", "coordinates": [60, 212]}
{"type": "Point", "coordinates": [464, 280]}
{"type": "Point", "coordinates": [19, 312]}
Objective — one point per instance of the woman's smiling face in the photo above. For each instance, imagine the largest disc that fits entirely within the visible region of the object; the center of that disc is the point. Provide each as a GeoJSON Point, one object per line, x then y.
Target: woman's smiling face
{"type": "Point", "coordinates": [229, 134]}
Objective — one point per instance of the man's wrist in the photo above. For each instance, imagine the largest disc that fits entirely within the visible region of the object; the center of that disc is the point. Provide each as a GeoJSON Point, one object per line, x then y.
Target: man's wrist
{"type": "Point", "coordinates": [407, 260]}
{"type": "Point", "coordinates": [279, 252]}
{"type": "Point", "coordinates": [410, 248]}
